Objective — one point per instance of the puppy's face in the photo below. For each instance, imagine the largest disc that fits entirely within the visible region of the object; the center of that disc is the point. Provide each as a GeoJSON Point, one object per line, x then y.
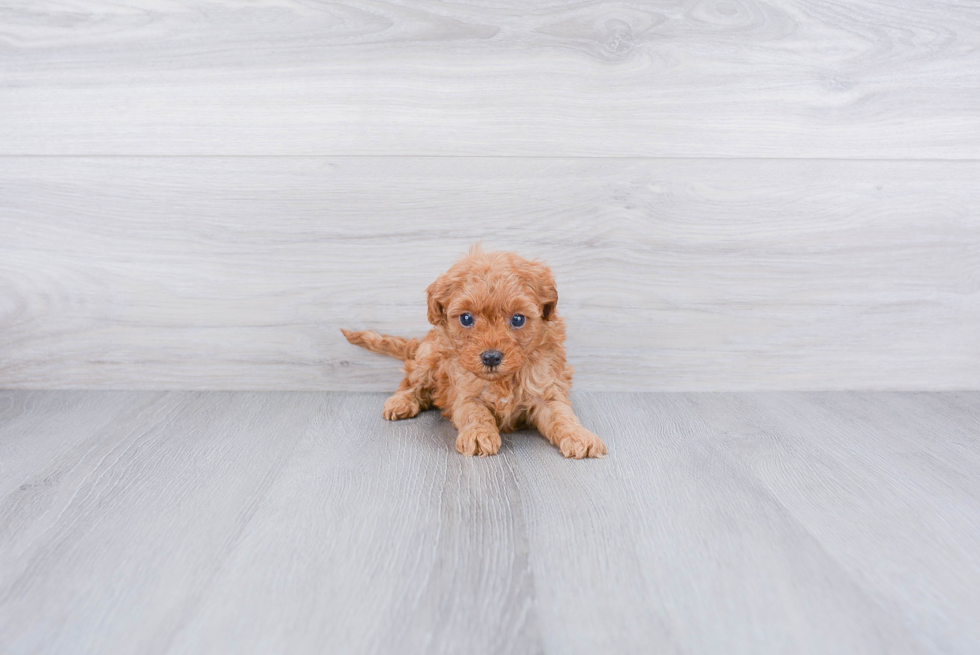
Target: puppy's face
{"type": "Point", "coordinates": [494, 308]}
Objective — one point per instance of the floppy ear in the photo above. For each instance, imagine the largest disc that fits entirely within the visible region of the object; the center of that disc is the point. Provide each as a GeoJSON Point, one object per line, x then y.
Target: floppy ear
{"type": "Point", "coordinates": [546, 290]}
{"type": "Point", "coordinates": [439, 293]}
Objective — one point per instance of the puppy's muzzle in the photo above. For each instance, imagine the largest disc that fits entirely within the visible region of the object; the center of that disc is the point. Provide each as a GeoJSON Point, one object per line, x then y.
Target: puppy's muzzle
{"type": "Point", "coordinates": [491, 358]}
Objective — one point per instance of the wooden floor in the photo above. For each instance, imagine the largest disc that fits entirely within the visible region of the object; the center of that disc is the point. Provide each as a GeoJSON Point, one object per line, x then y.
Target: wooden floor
{"type": "Point", "coordinates": [301, 522]}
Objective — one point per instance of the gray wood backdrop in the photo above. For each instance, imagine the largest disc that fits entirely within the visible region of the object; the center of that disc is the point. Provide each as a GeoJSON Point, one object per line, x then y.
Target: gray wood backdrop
{"type": "Point", "coordinates": [733, 194]}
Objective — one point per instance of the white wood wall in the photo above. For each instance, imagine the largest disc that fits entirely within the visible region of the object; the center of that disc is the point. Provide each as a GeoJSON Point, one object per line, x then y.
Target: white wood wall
{"type": "Point", "coordinates": [733, 194]}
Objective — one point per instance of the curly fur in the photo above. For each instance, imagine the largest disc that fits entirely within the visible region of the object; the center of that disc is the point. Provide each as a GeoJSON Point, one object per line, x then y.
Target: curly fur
{"type": "Point", "coordinates": [530, 386]}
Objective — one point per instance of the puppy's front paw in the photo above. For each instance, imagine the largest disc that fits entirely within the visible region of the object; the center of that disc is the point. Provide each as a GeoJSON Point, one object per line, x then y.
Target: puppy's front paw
{"type": "Point", "coordinates": [478, 440]}
{"type": "Point", "coordinates": [400, 406]}
{"type": "Point", "coordinates": [581, 443]}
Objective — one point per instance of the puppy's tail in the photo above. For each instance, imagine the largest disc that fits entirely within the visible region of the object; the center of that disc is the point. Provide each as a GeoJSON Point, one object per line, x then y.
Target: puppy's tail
{"type": "Point", "coordinates": [383, 344]}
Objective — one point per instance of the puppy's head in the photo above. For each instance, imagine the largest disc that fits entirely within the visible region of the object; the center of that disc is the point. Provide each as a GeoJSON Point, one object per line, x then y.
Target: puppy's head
{"type": "Point", "coordinates": [496, 308]}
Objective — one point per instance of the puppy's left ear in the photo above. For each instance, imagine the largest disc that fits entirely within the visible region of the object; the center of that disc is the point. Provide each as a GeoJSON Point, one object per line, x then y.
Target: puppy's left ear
{"type": "Point", "coordinates": [546, 290]}
{"type": "Point", "coordinates": [440, 292]}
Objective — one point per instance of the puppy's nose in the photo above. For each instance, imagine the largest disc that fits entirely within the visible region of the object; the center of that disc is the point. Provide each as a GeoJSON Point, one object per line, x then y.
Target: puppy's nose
{"type": "Point", "coordinates": [492, 358]}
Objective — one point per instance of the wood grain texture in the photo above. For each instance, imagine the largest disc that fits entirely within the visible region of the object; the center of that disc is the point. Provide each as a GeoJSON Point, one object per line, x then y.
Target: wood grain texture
{"type": "Point", "coordinates": [671, 535]}
{"type": "Point", "coordinates": [129, 526]}
{"type": "Point", "coordinates": [215, 273]}
{"type": "Point", "coordinates": [377, 538]}
{"type": "Point", "coordinates": [302, 522]}
{"type": "Point", "coordinates": [904, 467]}
{"type": "Point", "coordinates": [669, 78]}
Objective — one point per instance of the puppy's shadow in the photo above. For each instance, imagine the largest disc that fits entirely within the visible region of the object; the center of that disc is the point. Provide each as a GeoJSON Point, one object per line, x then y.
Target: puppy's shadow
{"type": "Point", "coordinates": [429, 430]}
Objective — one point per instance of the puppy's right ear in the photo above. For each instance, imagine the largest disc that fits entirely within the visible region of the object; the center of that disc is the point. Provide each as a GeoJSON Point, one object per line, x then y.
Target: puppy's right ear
{"type": "Point", "coordinates": [439, 293]}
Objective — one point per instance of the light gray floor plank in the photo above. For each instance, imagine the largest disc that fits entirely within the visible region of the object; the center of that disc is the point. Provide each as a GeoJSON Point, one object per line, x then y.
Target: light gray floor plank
{"type": "Point", "coordinates": [732, 78]}
{"type": "Point", "coordinates": [37, 427]}
{"type": "Point", "coordinates": [107, 548]}
{"type": "Point", "coordinates": [304, 523]}
{"type": "Point", "coordinates": [682, 552]}
{"type": "Point", "coordinates": [219, 273]}
{"type": "Point", "coordinates": [377, 537]}
{"type": "Point", "coordinates": [887, 487]}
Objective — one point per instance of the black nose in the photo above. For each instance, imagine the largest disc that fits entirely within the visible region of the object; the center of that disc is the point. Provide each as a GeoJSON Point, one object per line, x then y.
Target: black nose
{"type": "Point", "coordinates": [492, 358]}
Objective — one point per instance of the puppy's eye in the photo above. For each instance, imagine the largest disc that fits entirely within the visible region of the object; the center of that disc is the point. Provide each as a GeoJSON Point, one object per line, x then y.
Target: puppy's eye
{"type": "Point", "coordinates": [518, 320]}
{"type": "Point", "coordinates": [466, 320]}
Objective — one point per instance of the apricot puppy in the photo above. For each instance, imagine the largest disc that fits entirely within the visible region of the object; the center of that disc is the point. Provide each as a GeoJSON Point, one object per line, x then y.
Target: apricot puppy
{"type": "Point", "coordinates": [494, 360]}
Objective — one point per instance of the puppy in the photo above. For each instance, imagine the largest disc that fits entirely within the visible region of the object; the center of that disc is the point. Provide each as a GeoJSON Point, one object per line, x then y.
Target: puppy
{"type": "Point", "coordinates": [494, 360]}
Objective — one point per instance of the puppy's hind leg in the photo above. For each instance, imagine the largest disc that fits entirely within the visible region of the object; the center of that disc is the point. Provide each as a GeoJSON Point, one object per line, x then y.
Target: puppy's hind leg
{"type": "Point", "coordinates": [415, 392]}
{"type": "Point", "coordinates": [407, 402]}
